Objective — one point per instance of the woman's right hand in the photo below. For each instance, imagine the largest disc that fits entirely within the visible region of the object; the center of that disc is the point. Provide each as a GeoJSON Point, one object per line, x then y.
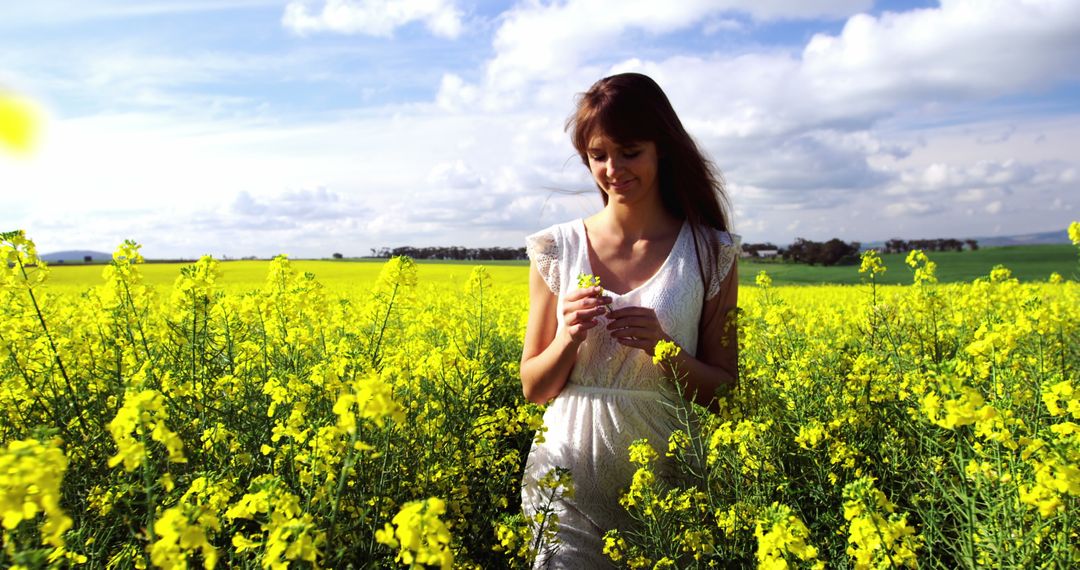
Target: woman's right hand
{"type": "Point", "coordinates": [581, 309]}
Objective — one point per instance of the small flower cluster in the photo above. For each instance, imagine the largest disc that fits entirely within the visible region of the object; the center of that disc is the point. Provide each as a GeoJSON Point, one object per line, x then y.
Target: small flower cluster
{"type": "Point", "coordinates": [871, 263]}
{"type": "Point", "coordinates": [781, 537]}
{"type": "Point", "coordinates": [925, 270]}
{"type": "Point", "coordinates": [664, 351]}
{"type": "Point", "coordinates": [420, 535]}
{"type": "Point", "coordinates": [587, 281]}
{"type": "Point", "coordinates": [30, 476]}
{"type": "Point", "coordinates": [879, 537]}
{"type": "Point", "coordinates": [143, 414]}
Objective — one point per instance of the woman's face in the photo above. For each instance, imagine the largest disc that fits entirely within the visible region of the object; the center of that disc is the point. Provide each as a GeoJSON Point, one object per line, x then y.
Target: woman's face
{"type": "Point", "coordinates": [626, 173]}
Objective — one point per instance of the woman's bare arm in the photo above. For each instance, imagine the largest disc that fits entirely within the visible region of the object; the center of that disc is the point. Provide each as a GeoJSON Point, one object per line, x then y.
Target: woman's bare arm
{"type": "Point", "coordinates": [716, 366]}
{"type": "Point", "coordinates": [548, 354]}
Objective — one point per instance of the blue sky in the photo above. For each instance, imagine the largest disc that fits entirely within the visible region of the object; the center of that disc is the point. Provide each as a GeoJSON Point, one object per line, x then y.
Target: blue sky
{"type": "Point", "coordinates": [255, 127]}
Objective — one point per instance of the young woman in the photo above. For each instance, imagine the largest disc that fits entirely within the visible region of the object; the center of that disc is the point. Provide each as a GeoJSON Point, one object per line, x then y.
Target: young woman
{"type": "Point", "coordinates": [666, 263]}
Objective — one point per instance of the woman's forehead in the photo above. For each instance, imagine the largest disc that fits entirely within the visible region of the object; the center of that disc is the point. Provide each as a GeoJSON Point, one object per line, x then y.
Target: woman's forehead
{"type": "Point", "coordinates": [601, 139]}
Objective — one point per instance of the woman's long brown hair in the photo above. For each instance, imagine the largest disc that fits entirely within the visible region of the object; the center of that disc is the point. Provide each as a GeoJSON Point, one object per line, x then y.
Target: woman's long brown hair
{"type": "Point", "coordinates": [631, 107]}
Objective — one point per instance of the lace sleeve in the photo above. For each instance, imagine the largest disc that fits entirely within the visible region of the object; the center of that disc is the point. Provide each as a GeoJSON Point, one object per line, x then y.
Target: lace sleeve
{"type": "Point", "coordinates": [721, 251]}
{"type": "Point", "coordinates": [543, 249]}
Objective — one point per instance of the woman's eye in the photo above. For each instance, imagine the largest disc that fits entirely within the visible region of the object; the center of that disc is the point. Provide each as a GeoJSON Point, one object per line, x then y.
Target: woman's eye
{"type": "Point", "coordinates": [632, 154]}
{"type": "Point", "coordinates": [597, 157]}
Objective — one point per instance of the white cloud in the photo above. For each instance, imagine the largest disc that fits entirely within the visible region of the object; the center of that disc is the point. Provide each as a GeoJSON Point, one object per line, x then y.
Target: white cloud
{"type": "Point", "coordinates": [888, 118]}
{"type": "Point", "coordinates": [907, 208]}
{"type": "Point", "coordinates": [456, 175]}
{"type": "Point", "coordinates": [372, 17]}
{"type": "Point", "coordinates": [876, 67]}
{"type": "Point", "coordinates": [540, 42]}
{"type": "Point", "coordinates": [966, 49]}
{"type": "Point", "coordinates": [980, 174]}
{"type": "Point", "coordinates": [975, 195]}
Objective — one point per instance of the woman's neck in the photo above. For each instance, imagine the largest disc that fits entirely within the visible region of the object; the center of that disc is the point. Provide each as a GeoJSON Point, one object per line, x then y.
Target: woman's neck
{"type": "Point", "coordinates": [632, 223]}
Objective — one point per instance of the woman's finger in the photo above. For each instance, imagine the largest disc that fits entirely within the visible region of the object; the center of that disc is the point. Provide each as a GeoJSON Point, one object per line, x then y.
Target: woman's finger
{"type": "Point", "coordinates": [623, 322]}
{"type": "Point", "coordinates": [643, 333]}
{"type": "Point", "coordinates": [588, 315]}
{"type": "Point", "coordinates": [578, 294]}
{"type": "Point", "coordinates": [635, 343]}
{"type": "Point", "coordinates": [632, 312]}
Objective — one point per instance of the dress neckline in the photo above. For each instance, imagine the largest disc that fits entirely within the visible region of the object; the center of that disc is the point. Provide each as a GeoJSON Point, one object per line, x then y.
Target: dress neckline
{"type": "Point", "coordinates": [587, 263]}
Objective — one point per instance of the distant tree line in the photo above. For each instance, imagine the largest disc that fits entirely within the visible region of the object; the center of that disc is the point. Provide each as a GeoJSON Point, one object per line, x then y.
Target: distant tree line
{"type": "Point", "coordinates": [452, 252]}
{"type": "Point", "coordinates": [839, 252]}
{"type": "Point", "coordinates": [755, 249]}
{"type": "Point", "coordinates": [832, 252]}
{"type": "Point", "coordinates": [939, 244]}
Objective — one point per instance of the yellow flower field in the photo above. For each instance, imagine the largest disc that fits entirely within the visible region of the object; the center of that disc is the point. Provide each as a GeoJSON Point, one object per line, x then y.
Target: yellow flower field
{"type": "Point", "coordinates": [326, 419]}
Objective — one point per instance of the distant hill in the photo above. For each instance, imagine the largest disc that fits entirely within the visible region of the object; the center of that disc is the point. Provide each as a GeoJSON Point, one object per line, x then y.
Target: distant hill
{"type": "Point", "coordinates": [1060, 236]}
{"type": "Point", "coordinates": [75, 256]}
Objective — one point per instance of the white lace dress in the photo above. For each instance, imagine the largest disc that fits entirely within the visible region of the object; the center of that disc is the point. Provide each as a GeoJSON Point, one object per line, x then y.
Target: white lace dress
{"type": "Point", "coordinates": [615, 394]}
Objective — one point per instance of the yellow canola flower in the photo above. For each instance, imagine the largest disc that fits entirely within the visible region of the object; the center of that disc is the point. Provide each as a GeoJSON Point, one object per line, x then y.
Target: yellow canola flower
{"type": "Point", "coordinates": [288, 533]}
{"type": "Point", "coordinates": [811, 434]}
{"type": "Point", "coordinates": [641, 452]}
{"type": "Point", "coordinates": [587, 280]}
{"type": "Point", "coordinates": [968, 408]}
{"type": "Point", "coordinates": [143, 413]}
{"type": "Point", "coordinates": [1061, 399]}
{"type": "Point", "coordinates": [665, 350]}
{"type": "Point", "coordinates": [30, 477]}
{"type": "Point", "coordinates": [763, 280]}
{"type": "Point", "coordinates": [423, 537]}
{"type": "Point", "coordinates": [369, 397]}
{"type": "Point", "coordinates": [18, 123]}
{"type": "Point", "coordinates": [925, 270]}
{"type": "Point", "coordinates": [871, 263]}
{"type": "Point", "coordinates": [779, 533]}
{"type": "Point", "coordinates": [614, 545]}
{"type": "Point", "coordinates": [177, 538]}
{"type": "Point", "coordinates": [1074, 233]}
{"type": "Point", "coordinates": [874, 540]}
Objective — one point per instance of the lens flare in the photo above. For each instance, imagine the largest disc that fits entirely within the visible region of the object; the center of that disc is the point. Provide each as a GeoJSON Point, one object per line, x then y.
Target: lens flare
{"type": "Point", "coordinates": [18, 124]}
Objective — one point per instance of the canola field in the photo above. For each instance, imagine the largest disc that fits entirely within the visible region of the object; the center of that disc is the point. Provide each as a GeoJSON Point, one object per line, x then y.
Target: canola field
{"type": "Point", "coordinates": [323, 421]}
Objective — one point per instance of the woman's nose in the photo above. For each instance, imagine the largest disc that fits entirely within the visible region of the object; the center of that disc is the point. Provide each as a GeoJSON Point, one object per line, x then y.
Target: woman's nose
{"type": "Point", "coordinates": [612, 166]}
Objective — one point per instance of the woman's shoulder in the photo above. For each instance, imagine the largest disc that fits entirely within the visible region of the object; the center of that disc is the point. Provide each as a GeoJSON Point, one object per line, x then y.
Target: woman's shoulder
{"type": "Point", "coordinates": [717, 251]}
{"type": "Point", "coordinates": [549, 239]}
{"type": "Point", "coordinates": [549, 247]}
{"type": "Point", "coordinates": [717, 238]}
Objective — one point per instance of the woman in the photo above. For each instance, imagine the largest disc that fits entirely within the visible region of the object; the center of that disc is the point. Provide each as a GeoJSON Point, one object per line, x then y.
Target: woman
{"type": "Point", "coordinates": [666, 262]}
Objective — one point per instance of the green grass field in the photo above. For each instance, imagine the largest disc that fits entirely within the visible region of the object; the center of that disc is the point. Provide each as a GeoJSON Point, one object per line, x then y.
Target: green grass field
{"type": "Point", "coordinates": [1028, 263]}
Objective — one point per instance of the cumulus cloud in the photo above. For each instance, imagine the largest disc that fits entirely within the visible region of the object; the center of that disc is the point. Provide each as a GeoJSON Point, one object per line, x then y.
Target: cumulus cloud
{"type": "Point", "coordinates": [372, 17]}
{"type": "Point", "coordinates": [874, 68]}
{"type": "Point", "coordinates": [963, 49]}
{"type": "Point", "coordinates": [892, 122]}
{"type": "Point", "coordinates": [907, 207]}
{"type": "Point", "coordinates": [808, 162]}
{"type": "Point", "coordinates": [456, 175]}
{"type": "Point", "coordinates": [295, 206]}
{"type": "Point", "coordinates": [541, 42]}
{"type": "Point", "coordinates": [981, 174]}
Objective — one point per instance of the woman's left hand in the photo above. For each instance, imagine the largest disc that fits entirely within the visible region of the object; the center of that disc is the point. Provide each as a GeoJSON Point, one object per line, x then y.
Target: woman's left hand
{"type": "Point", "coordinates": [637, 327]}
